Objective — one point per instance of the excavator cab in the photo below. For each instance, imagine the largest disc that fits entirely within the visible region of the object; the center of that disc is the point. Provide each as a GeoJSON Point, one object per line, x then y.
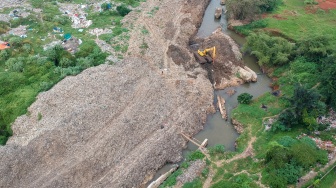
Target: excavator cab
{"type": "Point", "coordinates": [207, 55]}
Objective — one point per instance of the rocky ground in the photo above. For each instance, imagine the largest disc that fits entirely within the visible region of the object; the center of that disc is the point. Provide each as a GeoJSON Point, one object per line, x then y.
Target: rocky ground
{"type": "Point", "coordinates": [12, 3]}
{"type": "Point", "coordinates": [115, 125]}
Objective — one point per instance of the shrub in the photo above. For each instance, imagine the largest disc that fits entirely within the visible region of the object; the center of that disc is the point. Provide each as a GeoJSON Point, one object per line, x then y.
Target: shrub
{"type": "Point", "coordinates": [248, 9]}
{"type": "Point", "coordinates": [217, 149]}
{"type": "Point", "coordinates": [287, 141]}
{"type": "Point", "coordinates": [314, 48]}
{"type": "Point", "coordinates": [193, 156]}
{"type": "Point", "coordinates": [242, 9]}
{"type": "Point", "coordinates": [310, 2]}
{"type": "Point", "coordinates": [171, 180]}
{"type": "Point", "coordinates": [269, 50]}
{"type": "Point", "coordinates": [269, 5]}
{"type": "Point", "coordinates": [245, 98]}
{"type": "Point", "coordinates": [123, 10]}
{"type": "Point", "coordinates": [13, 64]}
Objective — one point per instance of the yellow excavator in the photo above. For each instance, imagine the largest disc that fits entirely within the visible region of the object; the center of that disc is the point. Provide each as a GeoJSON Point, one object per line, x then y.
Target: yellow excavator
{"type": "Point", "coordinates": [205, 54]}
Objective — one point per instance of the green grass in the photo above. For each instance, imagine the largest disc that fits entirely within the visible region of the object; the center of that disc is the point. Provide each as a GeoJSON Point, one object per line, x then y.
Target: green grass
{"type": "Point", "coordinates": [171, 180]}
{"type": "Point", "coordinates": [298, 23]}
{"type": "Point", "coordinates": [329, 180]}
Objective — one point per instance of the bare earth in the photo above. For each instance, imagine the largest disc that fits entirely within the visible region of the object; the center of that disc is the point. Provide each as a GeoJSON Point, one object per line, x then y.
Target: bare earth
{"type": "Point", "coordinates": [115, 125]}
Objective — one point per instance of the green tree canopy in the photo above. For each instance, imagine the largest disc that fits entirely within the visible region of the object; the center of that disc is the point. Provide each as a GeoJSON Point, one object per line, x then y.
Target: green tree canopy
{"type": "Point", "coordinates": [269, 50]}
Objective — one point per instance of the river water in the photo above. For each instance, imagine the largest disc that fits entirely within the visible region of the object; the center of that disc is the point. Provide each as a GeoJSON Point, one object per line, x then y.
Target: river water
{"type": "Point", "coordinates": [216, 129]}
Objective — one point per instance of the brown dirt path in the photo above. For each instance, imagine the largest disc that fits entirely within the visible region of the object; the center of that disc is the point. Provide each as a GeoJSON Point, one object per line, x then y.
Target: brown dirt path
{"type": "Point", "coordinates": [246, 153]}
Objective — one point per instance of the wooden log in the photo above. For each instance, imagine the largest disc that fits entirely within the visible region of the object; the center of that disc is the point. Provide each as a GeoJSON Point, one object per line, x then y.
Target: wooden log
{"type": "Point", "coordinates": [161, 179]}
{"type": "Point", "coordinates": [185, 136]}
{"type": "Point", "coordinates": [221, 105]}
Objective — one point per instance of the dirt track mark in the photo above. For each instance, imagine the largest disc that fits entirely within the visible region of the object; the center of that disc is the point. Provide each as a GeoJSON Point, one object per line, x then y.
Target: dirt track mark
{"type": "Point", "coordinates": [246, 153]}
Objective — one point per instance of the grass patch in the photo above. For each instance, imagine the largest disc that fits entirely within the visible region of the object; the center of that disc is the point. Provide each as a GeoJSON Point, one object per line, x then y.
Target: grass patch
{"type": "Point", "coordinates": [297, 22]}
{"type": "Point", "coordinates": [247, 29]}
{"type": "Point", "coordinates": [171, 180]}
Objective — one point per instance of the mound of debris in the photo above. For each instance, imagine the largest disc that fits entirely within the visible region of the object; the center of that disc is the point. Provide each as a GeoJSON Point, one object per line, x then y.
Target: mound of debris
{"type": "Point", "coordinates": [227, 68]}
{"type": "Point", "coordinates": [11, 3]}
{"type": "Point", "coordinates": [115, 126]}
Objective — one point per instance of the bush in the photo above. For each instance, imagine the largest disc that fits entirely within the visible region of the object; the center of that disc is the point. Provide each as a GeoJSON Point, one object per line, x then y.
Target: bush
{"type": "Point", "coordinates": [287, 141]}
{"type": "Point", "coordinates": [245, 98]}
{"type": "Point", "coordinates": [248, 9]}
{"type": "Point", "coordinates": [217, 149]}
{"type": "Point", "coordinates": [269, 50]}
{"type": "Point", "coordinates": [328, 80]}
{"type": "Point", "coordinates": [123, 10]}
{"type": "Point", "coordinates": [314, 48]}
{"type": "Point", "coordinates": [243, 9]}
{"type": "Point", "coordinates": [269, 5]}
{"type": "Point", "coordinates": [193, 156]}
{"type": "Point", "coordinates": [171, 180]}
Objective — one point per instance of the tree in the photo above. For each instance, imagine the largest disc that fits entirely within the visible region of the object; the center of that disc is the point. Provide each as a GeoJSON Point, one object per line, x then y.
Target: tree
{"type": "Point", "coordinates": [328, 80]}
{"type": "Point", "coordinates": [245, 98]}
{"type": "Point", "coordinates": [277, 156]}
{"type": "Point", "coordinates": [55, 54]}
{"type": "Point", "coordinates": [243, 9]}
{"type": "Point", "coordinates": [305, 99]}
{"type": "Point", "coordinates": [314, 48]}
{"type": "Point", "coordinates": [269, 5]}
{"type": "Point", "coordinates": [249, 9]}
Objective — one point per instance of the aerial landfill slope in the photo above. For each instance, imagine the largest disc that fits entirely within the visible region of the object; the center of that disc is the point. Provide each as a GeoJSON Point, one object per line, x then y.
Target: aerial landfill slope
{"type": "Point", "coordinates": [115, 125]}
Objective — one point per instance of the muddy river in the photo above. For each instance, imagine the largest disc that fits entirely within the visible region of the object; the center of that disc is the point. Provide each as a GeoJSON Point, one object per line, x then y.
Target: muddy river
{"type": "Point", "coordinates": [216, 129]}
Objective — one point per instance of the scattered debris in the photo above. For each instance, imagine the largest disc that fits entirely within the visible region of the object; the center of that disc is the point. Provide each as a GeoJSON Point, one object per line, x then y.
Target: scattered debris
{"type": "Point", "coordinates": [52, 44]}
{"type": "Point", "coordinates": [325, 145]}
{"type": "Point", "coordinates": [330, 119]}
{"type": "Point", "coordinates": [98, 31]}
{"type": "Point", "coordinates": [268, 123]}
{"type": "Point", "coordinates": [5, 17]}
{"type": "Point", "coordinates": [76, 13]}
{"type": "Point", "coordinates": [221, 106]}
{"type": "Point", "coordinates": [72, 44]}
{"type": "Point", "coordinates": [19, 31]}
{"type": "Point", "coordinates": [58, 30]}
{"type": "Point", "coordinates": [193, 171]}
{"type": "Point", "coordinates": [4, 45]}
